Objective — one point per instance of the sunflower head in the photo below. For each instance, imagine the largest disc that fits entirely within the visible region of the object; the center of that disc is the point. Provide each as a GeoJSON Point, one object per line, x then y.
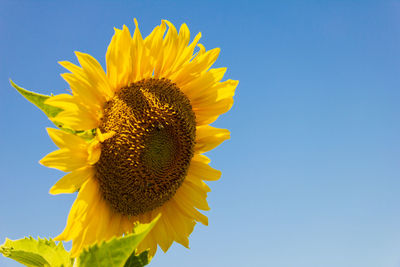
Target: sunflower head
{"type": "Point", "coordinates": [146, 161]}
{"type": "Point", "coordinates": [133, 137]}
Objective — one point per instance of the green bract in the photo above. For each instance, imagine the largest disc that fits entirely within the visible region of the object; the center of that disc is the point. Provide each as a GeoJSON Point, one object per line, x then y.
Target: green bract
{"type": "Point", "coordinates": [38, 100]}
{"type": "Point", "coordinates": [41, 252]}
{"type": "Point", "coordinates": [50, 111]}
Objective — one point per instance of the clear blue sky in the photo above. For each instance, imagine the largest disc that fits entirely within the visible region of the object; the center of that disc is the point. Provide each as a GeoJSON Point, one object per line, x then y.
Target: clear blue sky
{"type": "Point", "coordinates": [311, 174]}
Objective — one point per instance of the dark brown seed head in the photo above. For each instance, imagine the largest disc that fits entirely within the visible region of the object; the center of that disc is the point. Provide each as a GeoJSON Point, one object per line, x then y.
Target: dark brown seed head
{"type": "Point", "coordinates": [145, 162]}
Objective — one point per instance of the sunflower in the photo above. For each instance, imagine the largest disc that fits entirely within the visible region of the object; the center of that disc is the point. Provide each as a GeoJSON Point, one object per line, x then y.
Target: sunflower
{"type": "Point", "coordinates": [146, 126]}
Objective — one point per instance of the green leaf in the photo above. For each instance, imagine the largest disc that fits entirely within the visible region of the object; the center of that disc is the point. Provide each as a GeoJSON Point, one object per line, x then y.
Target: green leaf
{"type": "Point", "coordinates": [38, 100]}
{"type": "Point", "coordinates": [117, 252]}
{"type": "Point", "coordinates": [32, 253]}
{"type": "Point", "coordinates": [138, 260]}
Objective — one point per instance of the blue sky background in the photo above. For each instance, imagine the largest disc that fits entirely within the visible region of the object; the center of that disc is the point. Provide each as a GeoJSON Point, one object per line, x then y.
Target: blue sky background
{"type": "Point", "coordinates": [311, 173]}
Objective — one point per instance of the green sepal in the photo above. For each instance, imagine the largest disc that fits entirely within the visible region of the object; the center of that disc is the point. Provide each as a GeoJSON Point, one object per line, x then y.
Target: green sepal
{"type": "Point", "coordinates": [138, 260]}
{"type": "Point", "coordinates": [87, 135]}
{"type": "Point", "coordinates": [38, 100]}
{"type": "Point", "coordinates": [32, 253]}
{"type": "Point", "coordinates": [118, 251]}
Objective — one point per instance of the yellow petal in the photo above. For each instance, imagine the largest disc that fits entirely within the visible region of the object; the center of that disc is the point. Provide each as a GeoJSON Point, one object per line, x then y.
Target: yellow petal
{"type": "Point", "coordinates": [226, 89]}
{"type": "Point", "coordinates": [118, 59]}
{"type": "Point", "coordinates": [65, 160]}
{"type": "Point", "coordinates": [199, 167]}
{"type": "Point", "coordinates": [83, 87]}
{"type": "Point", "coordinates": [198, 65]}
{"type": "Point", "coordinates": [87, 223]}
{"type": "Point", "coordinates": [197, 182]}
{"type": "Point", "coordinates": [149, 243]}
{"type": "Point", "coordinates": [71, 182]}
{"type": "Point", "coordinates": [164, 239]}
{"type": "Point", "coordinates": [79, 209]}
{"type": "Point", "coordinates": [114, 224]}
{"type": "Point", "coordinates": [207, 115]}
{"type": "Point", "coordinates": [95, 74]}
{"type": "Point", "coordinates": [154, 43]}
{"type": "Point", "coordinates": [208, 137]}
{"type": "Point", "coordinates": [185, 52]}
{"type": "Point", "coordinates": [70, 66]}
{"type": "Point", "coordinates": [188, 209]}
{"type": "Point", "coordinates": [208, 104]}
{"type": "Point", "coordinates": [141, 60]}
{"type": "Point", "coordinates": [170, 48]}
{"type": "Point", "coordinates": [180, 226]}
{"type": "Point", "coordinates": [63, 101]}
{"type": "Point", "coordinates": [198, 198]}
{"type": "Point", "coordinates": [94, 152]}
{"type": "Point", "coordinates": [177, 51]}
{"type": "Point", "coordinates": [203, 87]}
{"type": "Point", "coordinates": [63, 139]}
{"type": "Point", "coordinates": [77, 120]}
{"type": "Point", "coordinates": [74, 114]}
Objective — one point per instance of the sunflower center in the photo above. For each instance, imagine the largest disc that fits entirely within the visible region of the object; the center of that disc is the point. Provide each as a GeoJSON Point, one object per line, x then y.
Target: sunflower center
{"type": "Point", "coordinates": [145, 162]}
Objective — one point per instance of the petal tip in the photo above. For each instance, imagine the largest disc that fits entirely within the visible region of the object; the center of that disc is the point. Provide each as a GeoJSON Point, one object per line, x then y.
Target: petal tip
{"type": "Point", "coordinates": [52, 191]}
